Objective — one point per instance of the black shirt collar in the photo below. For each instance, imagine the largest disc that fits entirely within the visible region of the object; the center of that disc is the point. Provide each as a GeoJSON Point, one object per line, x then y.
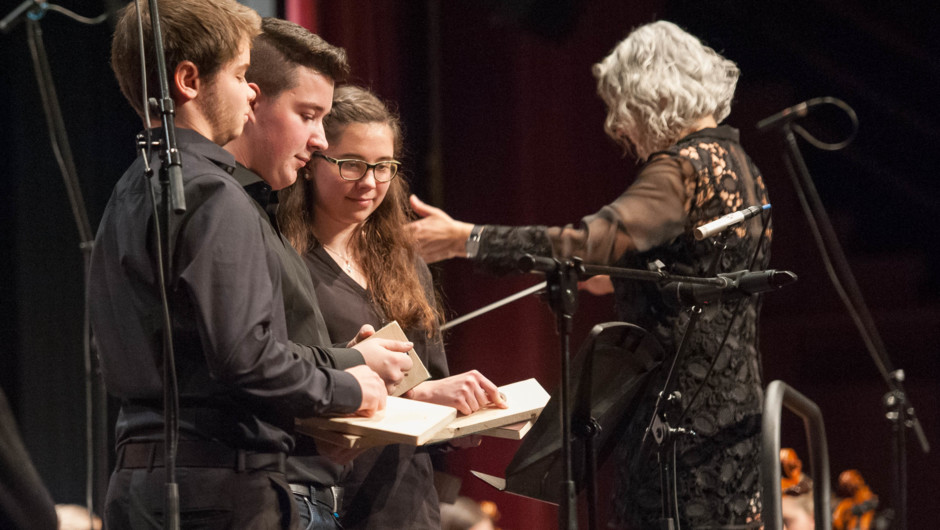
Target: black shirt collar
{"type": "Point", "coordinates": [199, 145]}
{"type": "Point", "coordinates": [255, 186]}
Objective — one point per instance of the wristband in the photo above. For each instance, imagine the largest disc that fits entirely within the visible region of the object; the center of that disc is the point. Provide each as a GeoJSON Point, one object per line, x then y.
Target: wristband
{"type": "Point", "coordinates": [473, 241]}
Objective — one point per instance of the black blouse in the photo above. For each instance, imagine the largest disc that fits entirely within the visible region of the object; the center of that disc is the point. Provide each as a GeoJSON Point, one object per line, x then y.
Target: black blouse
{"type": "Point", "coordinates": [392, 486]}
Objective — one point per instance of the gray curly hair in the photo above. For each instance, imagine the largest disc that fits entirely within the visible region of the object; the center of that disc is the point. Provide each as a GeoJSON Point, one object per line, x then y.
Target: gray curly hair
{"type": "Point", "coordinates": [658, 82]}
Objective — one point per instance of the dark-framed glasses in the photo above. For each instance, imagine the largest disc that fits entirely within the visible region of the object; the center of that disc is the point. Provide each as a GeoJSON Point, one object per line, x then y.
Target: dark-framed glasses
{"type": "Point", "coordinates": [353, 169]}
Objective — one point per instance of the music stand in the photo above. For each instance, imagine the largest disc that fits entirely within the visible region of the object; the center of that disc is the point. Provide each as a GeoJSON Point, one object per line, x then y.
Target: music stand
{"type": "Point", "coordinates": [614, 363]}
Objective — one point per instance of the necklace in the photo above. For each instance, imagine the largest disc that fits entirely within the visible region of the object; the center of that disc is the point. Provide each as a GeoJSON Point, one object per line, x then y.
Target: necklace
{"type": "Point", "coordinates": [348, 263]}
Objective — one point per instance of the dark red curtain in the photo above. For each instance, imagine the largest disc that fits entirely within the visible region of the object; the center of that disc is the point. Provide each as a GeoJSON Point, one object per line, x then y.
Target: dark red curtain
{"type": "Point", "coordinates": [369, 31]}
{"type": "Point", "coordinates": [522, 143]}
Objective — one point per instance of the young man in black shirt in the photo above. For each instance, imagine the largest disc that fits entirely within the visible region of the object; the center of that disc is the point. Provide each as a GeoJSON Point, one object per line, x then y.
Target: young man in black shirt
{"type": "Point", "coordinates": [241, 381]}
{"type": "Point", "coordinates": [293, 72]}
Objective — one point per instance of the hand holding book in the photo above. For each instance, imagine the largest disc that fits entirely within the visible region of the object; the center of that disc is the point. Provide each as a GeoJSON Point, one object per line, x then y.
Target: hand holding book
{"type": "Point", "coordinates": [374, 393]}
{"type": "Point", "coordinates": [467, 392]}
{"type": "Point", "coordinates": [417, 423]}
{"type": "Point", "coordinates": [382, 351]}
{"type": "Point", "coordinates": [431, 413]}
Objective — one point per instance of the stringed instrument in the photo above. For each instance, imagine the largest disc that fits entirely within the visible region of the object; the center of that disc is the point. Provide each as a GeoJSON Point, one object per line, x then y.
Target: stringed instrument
{"type": "Point", "coordinates": [793, 481]}
{"type": "Point", "coordinates": [856, 510]}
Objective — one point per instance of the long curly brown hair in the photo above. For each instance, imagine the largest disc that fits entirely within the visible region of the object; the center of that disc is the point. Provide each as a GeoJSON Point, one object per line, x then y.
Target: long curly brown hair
{"type": "Point", "coordinates": [383, 247]}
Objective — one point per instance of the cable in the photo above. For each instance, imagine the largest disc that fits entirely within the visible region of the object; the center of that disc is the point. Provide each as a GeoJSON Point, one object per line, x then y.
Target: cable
{"type": "Point", "coordinates": [823, 145]}
{"type": "Point", "coordinates": [734, 317]}
{"type": "Point", "coordinates": [143, 81]}
{"type": "Point", "coordinates": [675, 487]}
{"type": "Point", "coordinates": [73, 15]}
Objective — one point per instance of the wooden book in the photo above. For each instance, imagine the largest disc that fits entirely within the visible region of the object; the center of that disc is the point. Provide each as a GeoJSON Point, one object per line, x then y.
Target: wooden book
{"type": "Point", "coordinates": [515, 431]}
{"type": "Point", "coordinates": [417, 423]}
{"type": "Point", "coordinates": [418, 372]}
{"type": "Point", "coordinates": [526, 399]}
{"type": "Point", "coordinates": [403, 421]}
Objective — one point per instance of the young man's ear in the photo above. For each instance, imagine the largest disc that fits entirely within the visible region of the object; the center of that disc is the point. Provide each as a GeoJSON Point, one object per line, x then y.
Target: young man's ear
{"type": "Point", "coordinates": [257, 90]}
{"type": "Point", "coordinates": [185, 82]}
{"type": "Point", "coordinates": [254, 101]}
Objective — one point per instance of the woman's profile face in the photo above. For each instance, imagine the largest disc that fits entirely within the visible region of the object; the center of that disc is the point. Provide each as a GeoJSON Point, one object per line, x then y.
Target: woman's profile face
{"type": "Point", "coordinates": [352, 202]}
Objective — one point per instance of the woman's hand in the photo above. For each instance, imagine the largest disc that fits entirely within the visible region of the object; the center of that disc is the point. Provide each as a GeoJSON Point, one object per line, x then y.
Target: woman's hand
{"type": "Point", "coordinates": [467, 392]}
{"type": "Point", "coordinates": [437, 235]}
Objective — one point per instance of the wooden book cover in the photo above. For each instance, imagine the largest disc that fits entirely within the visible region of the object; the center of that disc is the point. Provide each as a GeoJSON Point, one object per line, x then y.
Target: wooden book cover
{"type": "Point", "coordinates": [403, 421]}
{"type": "Point", "coordinates": [418, 373]}
{"type": "Point", "coordinates": [515, 431]}
{"type": "Point", "coordinates": [417, 423]}
{"type": "Point", "coordinates": [526, 399]}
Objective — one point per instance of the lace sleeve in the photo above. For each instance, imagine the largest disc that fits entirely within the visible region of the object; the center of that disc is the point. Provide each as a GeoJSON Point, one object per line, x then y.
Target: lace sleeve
{"type": "Point", "coordinates": [502, 246]}
{"type": "Point", "coordinates": [652, 211]}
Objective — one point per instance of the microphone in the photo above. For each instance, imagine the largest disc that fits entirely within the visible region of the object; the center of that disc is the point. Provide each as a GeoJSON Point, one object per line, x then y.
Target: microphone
{"type": "Point", "coordinates": [530, 263]}
{"type": "Point", "coordinates": [789, 114]}
{"type": "Point", "coordinates": [738, 284]}
{"type": "Point", "coordinates": [733, 218]}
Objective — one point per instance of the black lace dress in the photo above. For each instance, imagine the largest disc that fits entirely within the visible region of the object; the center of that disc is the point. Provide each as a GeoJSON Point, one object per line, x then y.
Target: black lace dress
{"type": "Point", "coordinates": [704, 176]}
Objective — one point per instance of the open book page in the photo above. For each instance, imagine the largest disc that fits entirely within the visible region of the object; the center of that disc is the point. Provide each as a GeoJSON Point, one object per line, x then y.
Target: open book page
{"type": "Point", "coordinates": [418, 373]}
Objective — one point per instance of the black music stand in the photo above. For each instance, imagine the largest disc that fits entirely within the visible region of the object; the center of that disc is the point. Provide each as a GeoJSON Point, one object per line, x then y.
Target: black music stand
{"type": "Point", "coordinates": [614, 363]}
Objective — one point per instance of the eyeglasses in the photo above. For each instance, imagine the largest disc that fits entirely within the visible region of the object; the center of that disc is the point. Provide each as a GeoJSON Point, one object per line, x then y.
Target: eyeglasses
{"type": "Point", "coordinates": [352, 169]}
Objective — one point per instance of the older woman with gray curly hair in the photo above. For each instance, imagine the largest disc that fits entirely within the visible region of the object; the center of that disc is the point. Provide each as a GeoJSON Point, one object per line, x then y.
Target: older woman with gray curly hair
{"type": "Point", "coordinates": [661, 83]}
{"type": "Point", "coordinates": [665, 93]}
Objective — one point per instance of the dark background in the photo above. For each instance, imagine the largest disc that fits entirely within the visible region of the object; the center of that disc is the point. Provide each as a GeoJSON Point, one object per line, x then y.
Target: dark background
{"type": "Point", "coordinates": [522, 143]}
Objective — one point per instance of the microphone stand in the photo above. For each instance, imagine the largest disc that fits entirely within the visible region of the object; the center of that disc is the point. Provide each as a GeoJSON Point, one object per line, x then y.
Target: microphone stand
{"type": "Point", "coordinates": [900, 410]}
{"type": "Point", "coordinates": [96, 409]}
{"type": "Point", "coordinates": [665, 434]}
{"type": "Point", "coordinates": [562, 282]}
{"type": "Point", "coordinates": [174, 202]}
{"type": "Point", "coordinates": [562, 279]}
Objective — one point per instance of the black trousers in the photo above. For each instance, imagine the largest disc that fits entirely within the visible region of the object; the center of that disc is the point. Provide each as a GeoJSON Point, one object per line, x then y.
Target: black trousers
{"type": "Point", "coordinates": [210, 498]}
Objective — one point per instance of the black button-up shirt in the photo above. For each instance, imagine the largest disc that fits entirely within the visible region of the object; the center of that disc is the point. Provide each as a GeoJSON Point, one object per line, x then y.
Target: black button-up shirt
{"type": "Point", "coordinates": [305, 326]}
{"type": "Point", "coordinates": [241, 382]}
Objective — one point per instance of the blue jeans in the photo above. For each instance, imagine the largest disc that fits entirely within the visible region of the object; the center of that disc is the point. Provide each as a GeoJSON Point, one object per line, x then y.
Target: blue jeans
{"type": "Point", "coordinates": [315, 516]}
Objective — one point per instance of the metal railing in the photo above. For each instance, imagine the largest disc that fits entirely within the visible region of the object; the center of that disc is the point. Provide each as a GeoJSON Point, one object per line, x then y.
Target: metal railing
{"type": "Point", "coordinates": [778, 395]}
